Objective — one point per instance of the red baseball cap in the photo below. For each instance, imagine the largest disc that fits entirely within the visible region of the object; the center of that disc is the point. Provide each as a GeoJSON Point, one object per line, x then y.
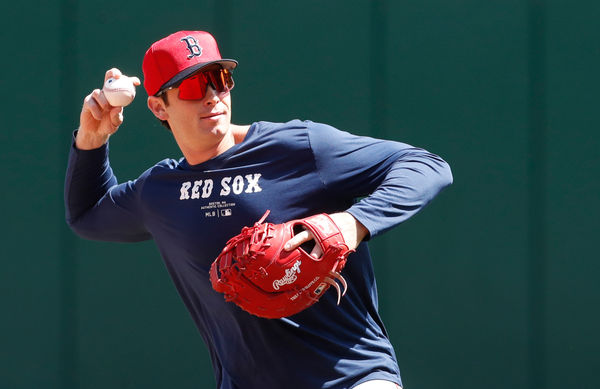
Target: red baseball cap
{"type": "Point", "coordinates": [177, 56]}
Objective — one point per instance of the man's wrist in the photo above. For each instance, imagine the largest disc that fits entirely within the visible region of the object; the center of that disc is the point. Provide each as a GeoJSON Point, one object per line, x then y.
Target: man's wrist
{"type": "Point", "coordinates": [89, 141]}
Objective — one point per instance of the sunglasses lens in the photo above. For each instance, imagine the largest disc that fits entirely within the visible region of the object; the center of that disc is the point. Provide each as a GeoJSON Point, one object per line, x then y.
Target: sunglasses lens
{"type": "Point", "coordinates": [221, 79]}
{"type": "Point", "coordinates": [194, 88]}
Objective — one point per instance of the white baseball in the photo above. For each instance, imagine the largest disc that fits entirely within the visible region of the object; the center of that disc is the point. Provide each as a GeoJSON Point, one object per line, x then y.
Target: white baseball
{"type": "Point", "coordinates": [119, 92]}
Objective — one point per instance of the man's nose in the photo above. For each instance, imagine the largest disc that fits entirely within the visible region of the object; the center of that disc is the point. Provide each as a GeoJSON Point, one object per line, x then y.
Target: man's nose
{"type": "Point", "coordinates": [212, 97]}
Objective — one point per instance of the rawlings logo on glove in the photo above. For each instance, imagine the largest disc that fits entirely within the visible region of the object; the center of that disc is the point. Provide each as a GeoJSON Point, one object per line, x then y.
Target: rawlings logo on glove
{"type": "Point", "coordinates": [257, 274]}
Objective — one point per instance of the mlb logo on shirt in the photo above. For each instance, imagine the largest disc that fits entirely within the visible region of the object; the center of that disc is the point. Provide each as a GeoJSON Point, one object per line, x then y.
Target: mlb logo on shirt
{"type": "Point", "coordinates": [226, 212]}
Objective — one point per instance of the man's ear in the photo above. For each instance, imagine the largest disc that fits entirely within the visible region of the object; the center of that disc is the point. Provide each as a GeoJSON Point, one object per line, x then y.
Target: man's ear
{"type": "Point", "coordinates": [158, 107]}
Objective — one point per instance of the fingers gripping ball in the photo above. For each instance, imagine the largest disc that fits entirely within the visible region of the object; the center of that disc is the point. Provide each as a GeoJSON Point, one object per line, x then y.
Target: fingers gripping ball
{"type": "Point", "coordinates": [119, 92]}
{"type": "Point", "coordinates": [257, 274]}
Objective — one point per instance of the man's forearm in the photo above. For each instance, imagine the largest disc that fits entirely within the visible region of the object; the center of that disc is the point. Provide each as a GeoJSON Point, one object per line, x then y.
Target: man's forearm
{"type": "Point", "coordinates": [89, 141]}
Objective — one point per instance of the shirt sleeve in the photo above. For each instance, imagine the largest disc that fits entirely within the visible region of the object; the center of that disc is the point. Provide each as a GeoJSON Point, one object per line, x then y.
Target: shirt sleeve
{"type": "Point", "coordinates": [393, 180]}
{"type": "Point", "coordinates": [96, 206]}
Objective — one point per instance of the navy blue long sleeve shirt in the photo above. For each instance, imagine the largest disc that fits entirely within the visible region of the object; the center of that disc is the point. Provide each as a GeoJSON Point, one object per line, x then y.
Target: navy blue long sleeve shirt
{"type": "Point", "coordinates": [295, 169]}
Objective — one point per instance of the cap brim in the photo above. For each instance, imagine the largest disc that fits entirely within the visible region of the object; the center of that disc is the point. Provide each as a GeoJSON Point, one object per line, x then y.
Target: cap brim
{"type": "Point", "coordinates": [227, 63]}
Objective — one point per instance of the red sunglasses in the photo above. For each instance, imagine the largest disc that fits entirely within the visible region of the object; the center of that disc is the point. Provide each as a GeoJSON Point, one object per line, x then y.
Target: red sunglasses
{"type": "Point", "coordinates": [194, 88]}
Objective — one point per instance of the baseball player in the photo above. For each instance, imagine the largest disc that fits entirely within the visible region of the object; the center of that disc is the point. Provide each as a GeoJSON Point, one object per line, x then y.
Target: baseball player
{"type": "Point", "coordinates": [228, 177]}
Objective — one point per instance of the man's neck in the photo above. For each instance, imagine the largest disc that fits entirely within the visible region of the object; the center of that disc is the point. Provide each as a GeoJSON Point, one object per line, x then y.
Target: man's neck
{"type": "Point", "coordinates": [239, 132]}
{"type": "Point", "coordinates": [234, 136]}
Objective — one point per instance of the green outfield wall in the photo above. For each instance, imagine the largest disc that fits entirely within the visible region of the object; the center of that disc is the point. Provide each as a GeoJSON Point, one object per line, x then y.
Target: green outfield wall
{"type": "Point", "coordinates": [494, 285]}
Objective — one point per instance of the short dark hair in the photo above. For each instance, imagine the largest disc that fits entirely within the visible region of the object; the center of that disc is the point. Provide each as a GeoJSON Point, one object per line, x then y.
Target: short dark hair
{"type": "Point", "coordinates": [164, 97]}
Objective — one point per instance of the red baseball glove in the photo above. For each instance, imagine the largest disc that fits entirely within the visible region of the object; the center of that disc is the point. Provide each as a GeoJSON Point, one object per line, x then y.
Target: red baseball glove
{"type": "Point", "coordinates": [256, 273]}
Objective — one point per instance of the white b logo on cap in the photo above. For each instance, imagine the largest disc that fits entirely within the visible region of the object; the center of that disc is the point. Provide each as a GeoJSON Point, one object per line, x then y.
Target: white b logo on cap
{"type": "Point", "coordinates": [192, 46]}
